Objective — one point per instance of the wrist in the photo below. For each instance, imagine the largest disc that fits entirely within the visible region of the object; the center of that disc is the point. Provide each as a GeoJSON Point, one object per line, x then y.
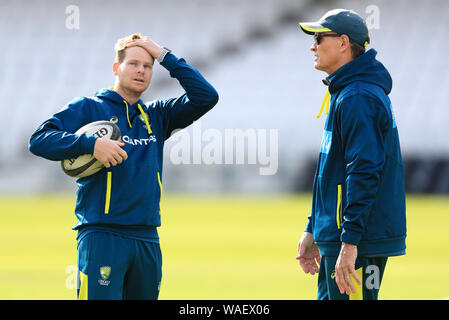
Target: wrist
{"type": "Point", "coordinates": [162, 53]}
{"type": "Point", "coordinates": [157, 51]}
{"type": "Point", "coordinates": [348, 249]}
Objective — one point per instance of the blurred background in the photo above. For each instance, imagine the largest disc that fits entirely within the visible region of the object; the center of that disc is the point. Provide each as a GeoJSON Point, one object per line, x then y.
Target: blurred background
{"type": "Point", "coordinates": [258, 59]}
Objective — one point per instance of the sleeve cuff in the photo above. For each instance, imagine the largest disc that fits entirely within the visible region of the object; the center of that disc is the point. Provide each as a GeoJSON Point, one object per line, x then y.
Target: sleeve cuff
{"type": "Point", "coordinates": [350, 237]}
{"type": "Point", "coordinates": [170, 61]}
{"type": "Point", "coordinates": [309, 227]}
{"type": "Point", "coordinates": [88, 144]}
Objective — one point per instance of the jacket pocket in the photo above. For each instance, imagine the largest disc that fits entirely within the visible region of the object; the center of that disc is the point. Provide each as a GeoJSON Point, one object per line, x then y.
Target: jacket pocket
{"type": "Point", "coordinates": [108, 192]}
{"type": "Point", "coordinates": [339, 218]}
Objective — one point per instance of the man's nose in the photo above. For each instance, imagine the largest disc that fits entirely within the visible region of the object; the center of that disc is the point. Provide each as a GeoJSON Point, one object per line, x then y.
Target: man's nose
{"type": "Point", "coordinates": [313, 47]}
{"type": "Point", "coordinates": [140, 69]}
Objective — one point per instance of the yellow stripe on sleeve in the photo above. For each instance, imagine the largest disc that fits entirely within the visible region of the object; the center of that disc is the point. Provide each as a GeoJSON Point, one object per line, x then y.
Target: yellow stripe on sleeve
{"type": "Point", "coordinates": [339, 206]}
{"type": "Point", "coordinates": [160, 184]}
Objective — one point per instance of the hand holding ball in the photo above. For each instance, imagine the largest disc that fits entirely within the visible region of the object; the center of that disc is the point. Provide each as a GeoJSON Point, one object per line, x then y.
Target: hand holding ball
{"type": "Point", "coordinates": [107, 150]}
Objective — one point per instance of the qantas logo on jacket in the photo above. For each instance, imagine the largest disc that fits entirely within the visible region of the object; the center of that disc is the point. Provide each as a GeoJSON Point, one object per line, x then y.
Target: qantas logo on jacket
{"type": "Point", "coordinates": [139, 142]}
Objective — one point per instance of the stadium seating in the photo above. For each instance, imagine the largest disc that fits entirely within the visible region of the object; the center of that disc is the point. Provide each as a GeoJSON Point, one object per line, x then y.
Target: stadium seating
{"type": "Point", "coordinates": [252, 51]}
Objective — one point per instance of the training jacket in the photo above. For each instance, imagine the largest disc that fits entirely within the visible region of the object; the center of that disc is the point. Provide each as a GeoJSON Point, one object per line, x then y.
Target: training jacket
{"type": "Point", "coordinates": [125, 198]}
{"type": "Point", "coordinates": [358, 191]}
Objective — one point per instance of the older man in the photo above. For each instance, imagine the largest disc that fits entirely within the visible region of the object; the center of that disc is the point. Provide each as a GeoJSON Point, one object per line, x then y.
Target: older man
{"type": "Point", "coordinates": [358, 210]}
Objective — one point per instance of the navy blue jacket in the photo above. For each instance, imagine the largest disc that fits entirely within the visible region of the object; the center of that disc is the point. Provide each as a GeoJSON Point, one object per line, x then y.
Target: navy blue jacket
{"type": "Point", "coordinates": [358, 192]}
{"type": "Point", "coordinates": [125, 197]}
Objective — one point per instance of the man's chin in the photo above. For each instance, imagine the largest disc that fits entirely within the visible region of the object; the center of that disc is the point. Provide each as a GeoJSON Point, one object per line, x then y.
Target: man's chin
{"type": "Point", "coordinates": [318, 66]}
{"type": "Point", "coordinates": [139, 89]}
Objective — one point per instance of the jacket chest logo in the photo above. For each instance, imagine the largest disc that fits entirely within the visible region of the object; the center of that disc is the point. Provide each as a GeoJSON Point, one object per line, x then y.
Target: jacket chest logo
{"type": "Point", "coordinates": [139, 141]}
{"type": "Point", "coordinates": [326, 142]}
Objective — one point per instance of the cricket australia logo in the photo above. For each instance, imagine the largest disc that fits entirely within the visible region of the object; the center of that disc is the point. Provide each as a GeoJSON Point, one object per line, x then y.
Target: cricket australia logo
{"type": "Point", "coordinates": [141, 117]}
{"type": "Point", "coordinates": [143, 120]}
{"type": "Point", "coordinates": [105, 272]}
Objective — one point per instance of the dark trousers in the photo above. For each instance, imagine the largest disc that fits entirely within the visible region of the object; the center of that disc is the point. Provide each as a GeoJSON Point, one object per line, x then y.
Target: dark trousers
{"type": "Point", "coordinates": [369, 269]}
{"type": "Point", "coordinates": [113, 267]}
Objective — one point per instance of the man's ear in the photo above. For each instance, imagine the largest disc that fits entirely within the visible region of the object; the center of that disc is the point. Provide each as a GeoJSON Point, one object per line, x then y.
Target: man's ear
{"type": "Point", "coordinates": [345, 43]}
{"type": "Point", "coordinates": [115, 68]}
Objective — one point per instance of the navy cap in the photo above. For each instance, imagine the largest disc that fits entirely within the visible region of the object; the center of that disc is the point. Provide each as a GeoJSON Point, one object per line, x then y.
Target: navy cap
{"type": "Point", "coordinates": [341, 21]}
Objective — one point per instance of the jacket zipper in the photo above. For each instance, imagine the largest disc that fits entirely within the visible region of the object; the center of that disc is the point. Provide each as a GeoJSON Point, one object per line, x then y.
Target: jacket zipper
{"type": "Point", "coordinates": [108, 192]}
{"type": "Point", "coordinates": [339, 207]}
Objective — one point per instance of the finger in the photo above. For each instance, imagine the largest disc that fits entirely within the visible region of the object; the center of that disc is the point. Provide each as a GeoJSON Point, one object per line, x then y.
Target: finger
{"type": "Point", "coordinates": [315, 265]}
{"type": "Point", "coordinates": [112, 161]}
{"type": "Point", "coordinates": [356, 277]}
{"type": "Point", "coordinates": [120, 152]}
{"type": "Point", "coordinates": [129, 43]}
{"type": "Point", "coordinates": [313, 269]}
{"type": "Point", "coordinates": [350, 287]}
{"type": "Point", "coordinates": [341, 277]}
{"type": "Point", "coordinates": [311, 266]}
{"type": "Point", "coordinates": [305, 265]}
{"type": "Point", "coordinates": [339, 282]}
{"type": "Point", "coordinates": [118, 158]}
{"type": "Point", "coordinates": [136, 42]}
{"type": "Point", "coordinates": [318, 259]}
{"type": "Point", "coordinates": [123, 154]}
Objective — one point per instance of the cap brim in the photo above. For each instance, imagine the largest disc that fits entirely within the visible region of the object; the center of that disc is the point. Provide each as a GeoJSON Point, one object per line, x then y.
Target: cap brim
{"type": "Point", "coordinates": [313, 27]}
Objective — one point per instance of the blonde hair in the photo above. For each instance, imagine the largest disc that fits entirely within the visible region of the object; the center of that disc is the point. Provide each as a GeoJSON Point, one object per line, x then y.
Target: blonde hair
{"type": "Point", "coordinates": [120, 46]}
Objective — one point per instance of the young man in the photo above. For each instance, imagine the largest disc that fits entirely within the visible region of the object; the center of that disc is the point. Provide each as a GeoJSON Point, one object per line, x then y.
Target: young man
{"type": "Point", "coordinates": [118, 208]}
{"type": "Point", "coordinates": [358, 210]}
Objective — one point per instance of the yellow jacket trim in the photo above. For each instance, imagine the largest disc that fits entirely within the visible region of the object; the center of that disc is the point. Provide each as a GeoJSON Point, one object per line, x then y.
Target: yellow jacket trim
{"type": "Point", "coordinates": [325, 102]}
{"type": "Point", "coordinates": [108, 192]}
{"type": "Point", "coordinates": [145, 118]}
{"type": "Point", "coordinates": [339, 206]}
{"type": "Point", "coordinates": [127, 113]}
{"type": "Point", "coordinates": [160, 184]}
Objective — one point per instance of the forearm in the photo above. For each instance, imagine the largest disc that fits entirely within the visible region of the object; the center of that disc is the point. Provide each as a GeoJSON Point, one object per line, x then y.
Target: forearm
{"type": "Point", "coordinates": [198, 90]}
{"type": "Point", "coordinates": [53, 144]}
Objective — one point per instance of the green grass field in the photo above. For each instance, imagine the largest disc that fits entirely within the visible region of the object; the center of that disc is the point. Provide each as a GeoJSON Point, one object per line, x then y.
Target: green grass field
{"type": "Point", "coordinates": [214, 247]}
